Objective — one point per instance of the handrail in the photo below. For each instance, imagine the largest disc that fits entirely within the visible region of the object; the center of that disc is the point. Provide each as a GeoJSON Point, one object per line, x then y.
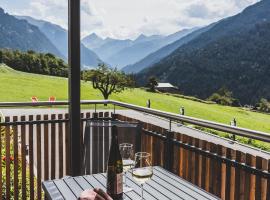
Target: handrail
{"type": "Point", "coordinates": [258, 135]}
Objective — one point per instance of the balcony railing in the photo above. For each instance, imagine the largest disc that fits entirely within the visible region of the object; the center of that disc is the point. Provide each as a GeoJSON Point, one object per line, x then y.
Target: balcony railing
{"type": "Point", "coordinates": [34, 148]}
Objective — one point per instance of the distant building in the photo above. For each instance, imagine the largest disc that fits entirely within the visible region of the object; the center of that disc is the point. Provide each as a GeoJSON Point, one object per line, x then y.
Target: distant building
{"type": "Point", "coordinates": [166, 87]}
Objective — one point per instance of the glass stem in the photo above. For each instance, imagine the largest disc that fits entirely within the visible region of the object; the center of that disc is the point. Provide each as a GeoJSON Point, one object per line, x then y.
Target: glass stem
{"type": "Point", "coordinates": [142, 191]}
{"type": "Point", "coordinates": [125, 179]}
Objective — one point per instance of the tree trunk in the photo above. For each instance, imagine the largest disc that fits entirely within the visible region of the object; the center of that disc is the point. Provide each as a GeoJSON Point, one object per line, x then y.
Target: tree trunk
{"type": "Point", "coordinates": [106, 97]}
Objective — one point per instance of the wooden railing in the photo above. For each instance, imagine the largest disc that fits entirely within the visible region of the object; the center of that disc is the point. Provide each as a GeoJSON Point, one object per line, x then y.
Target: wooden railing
{"type": "Point", "coordinates": [36, 148]}
{"type": "Point", "coordinates": [227, 173]}
{"type": "Point", "coordinates": [33, 149]}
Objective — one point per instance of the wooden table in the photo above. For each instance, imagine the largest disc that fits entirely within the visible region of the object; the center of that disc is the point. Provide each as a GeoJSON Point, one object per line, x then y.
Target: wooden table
{"type": "Point", "coordinates": [163, 185]}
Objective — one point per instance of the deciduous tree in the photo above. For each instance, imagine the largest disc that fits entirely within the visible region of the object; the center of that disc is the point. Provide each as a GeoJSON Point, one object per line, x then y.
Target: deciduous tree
{"type": "Point", "coordinates": [108, 80]}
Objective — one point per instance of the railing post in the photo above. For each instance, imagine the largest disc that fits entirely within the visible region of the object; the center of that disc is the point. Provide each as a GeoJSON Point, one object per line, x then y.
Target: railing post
{"type": "Point", "coordinates": [169, 153]}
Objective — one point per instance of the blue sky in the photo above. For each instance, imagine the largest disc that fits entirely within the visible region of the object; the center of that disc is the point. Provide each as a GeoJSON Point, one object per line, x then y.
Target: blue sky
{"type": "Point", "coordinates": [128, 18]}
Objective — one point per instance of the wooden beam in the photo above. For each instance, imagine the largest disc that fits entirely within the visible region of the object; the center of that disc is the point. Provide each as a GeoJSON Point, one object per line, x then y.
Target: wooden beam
{"type": "Point", "coordinates": [74, 85]}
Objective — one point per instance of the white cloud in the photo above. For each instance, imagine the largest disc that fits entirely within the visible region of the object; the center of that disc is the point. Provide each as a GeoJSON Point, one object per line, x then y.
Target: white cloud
{"type": "Point", "coordinates": [129, 18]}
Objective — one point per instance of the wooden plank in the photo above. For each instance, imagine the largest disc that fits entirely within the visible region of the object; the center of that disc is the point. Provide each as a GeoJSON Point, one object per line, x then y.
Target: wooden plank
{"type": "Point", "coordinates": [252, 180]}
{"type": "Point", "coordinates": [177, 158]}
{"type": "Point", "coordinates": [7, 140]}
{"type": "Point", "coordinates": [64, 190]}
{"type": "Point", "coordinates": [182, 184]}
{"type": "Point", "coordinates": [46, 149]}
{"type": "Point", "coordinates": [193, 163]}
{"type": "Point", "coordinates": [200, 172]}
{"type": "Point", "coordinates": [207, 169]}
{"type": "Point", "coordinates": [39, 168]}
{"type": "Point", "coordinates": [83, 183]}
{"type": "Point", "coordinates": [213, 170]}
{"type": "Point", "coordinates": [263, 180]}
{"type": "Point", "coordinates": [74, 187]}
{"type": "Point", "coordinates": [16, 158]}
{"type": "Point", "coordinates": [247, 177]}
{"type": "Point", "coordinates": [228, 175]}
{"type": "Point", "coordinates": [190, 167]}
{"type": "Point", "coordinates": [185, 158]}
{"type": "Point", "coordinates": [31, 159]}
{"type": "Point", "coordinates": [60, 147]}
{"type": "Point", "coordinates": [258, 184]}
{"type": "Point", "coordinates": [232, 184]}
{"type": "Point", "coordinates": [196, 169]}
{"type": "Point", "coordinates": [223, 175]}
{"type": "Point", "coordinates": [51, 191]}
{"type": "Point", "coordinates": [177, 190]}
{"type": "Point", "coordinates": [67, 145]}
{"type": "Point", "coordinates": [218, 169]}
{"type": "Point", "coordinates": [53, 135]}
{"type": "Point", "coordinates": [202, 161]}
{"type": "Point", "coordinates": [23, 153]}
{"type": "Point", "coordinates": [162, 148]}
{"type": "Point", "coordinates": [237, 176]}
{"type": "Point", "coordinates": [242, 178]}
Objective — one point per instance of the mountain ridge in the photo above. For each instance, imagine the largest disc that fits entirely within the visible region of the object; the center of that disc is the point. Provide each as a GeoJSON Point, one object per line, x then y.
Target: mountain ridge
{"type": "Point", "coordinates": [234, 53]}
{"type": "Point", "coordinates": [59, 37]}
{"type": "Point", "coordinates": [122, 52]}
{"type": "Point", "coordinates": [21, 35]}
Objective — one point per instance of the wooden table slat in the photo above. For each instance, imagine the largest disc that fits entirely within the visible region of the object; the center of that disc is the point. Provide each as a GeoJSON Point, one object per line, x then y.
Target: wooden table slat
{"type": "Point", "coordinates": [74, 187]}
{"type": "Point", "coordinates": [83, 183]}
{"type": "Point", "coordinates": [50, 187]}
{"type": "Point", "coordinates": [190, 188]}
{"type": "Point", "coordinates": [64, 190]}
{"type": "Point", "coordinates": [163, 185]}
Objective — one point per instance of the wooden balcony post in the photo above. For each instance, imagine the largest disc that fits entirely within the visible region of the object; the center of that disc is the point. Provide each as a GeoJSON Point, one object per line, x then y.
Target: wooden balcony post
{"type": "Point", "coordinates": [74, 86]}
{"type": "Point", "coordinates": [169, 151]}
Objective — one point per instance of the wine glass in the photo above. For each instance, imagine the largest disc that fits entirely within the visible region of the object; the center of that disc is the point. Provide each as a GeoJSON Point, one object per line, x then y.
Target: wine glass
{"type": "Point", "coordinates": [126, 151]}
{"type": "Point", "coordinates": [142, 170]}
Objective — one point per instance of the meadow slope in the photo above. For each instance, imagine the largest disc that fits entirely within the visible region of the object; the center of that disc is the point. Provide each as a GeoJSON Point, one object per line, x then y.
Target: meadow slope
{"type": "Point", "coordinates": [20, 86]}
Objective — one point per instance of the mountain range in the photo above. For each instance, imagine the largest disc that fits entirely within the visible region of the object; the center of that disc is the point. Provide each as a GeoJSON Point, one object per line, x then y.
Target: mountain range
{"type": "Point", "coordinates": [234, 52]}
{"type": "Point", "coordinates": [120, 53]}
{"type": "Point", "coordinates": [21, 35]}
{"type": "Point", "coordinates": [156, 56]}
{"type": "Point", "coordinates": [59, 37]}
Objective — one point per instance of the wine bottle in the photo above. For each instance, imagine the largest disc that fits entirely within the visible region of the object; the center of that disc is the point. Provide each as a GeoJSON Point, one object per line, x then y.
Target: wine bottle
{"type": "Point", "coordinates": [115, 169]}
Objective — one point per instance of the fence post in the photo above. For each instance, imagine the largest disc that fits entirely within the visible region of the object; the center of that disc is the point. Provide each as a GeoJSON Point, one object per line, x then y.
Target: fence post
{"type": "Point", "coordinates": [169, 151]}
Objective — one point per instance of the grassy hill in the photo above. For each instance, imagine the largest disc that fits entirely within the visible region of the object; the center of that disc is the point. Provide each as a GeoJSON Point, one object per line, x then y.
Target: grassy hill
{"type": "Point", "coordinates": [20, 86]}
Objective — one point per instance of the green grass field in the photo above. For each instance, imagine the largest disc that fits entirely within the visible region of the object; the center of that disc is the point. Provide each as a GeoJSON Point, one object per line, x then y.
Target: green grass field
{"type": "Point", "coordinates": [19, 86]}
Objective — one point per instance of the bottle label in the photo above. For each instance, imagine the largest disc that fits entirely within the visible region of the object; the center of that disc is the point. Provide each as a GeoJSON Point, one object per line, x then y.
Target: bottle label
{"type": "Point", "coordinates": [119, 187]}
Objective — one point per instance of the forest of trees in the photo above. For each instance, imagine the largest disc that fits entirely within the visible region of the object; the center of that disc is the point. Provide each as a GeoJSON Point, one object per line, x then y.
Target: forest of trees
{"type": "Point", "coordinates": [33, 62]}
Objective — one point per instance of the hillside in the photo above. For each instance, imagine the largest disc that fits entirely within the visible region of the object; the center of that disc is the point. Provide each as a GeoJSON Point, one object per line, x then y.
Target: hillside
{"type": "Point", "coordinates": [233, 53]}
{"type": "Point", "coordinates": [59, 37]}
{"type": "Point", "coordinates": [20, 35]}
{"type": "Point", "coordinates": [20, 86]}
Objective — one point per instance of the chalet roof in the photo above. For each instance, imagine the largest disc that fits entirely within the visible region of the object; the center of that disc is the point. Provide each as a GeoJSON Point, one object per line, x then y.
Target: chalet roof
{"type": "Point", "coordinates": [165, 85]}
